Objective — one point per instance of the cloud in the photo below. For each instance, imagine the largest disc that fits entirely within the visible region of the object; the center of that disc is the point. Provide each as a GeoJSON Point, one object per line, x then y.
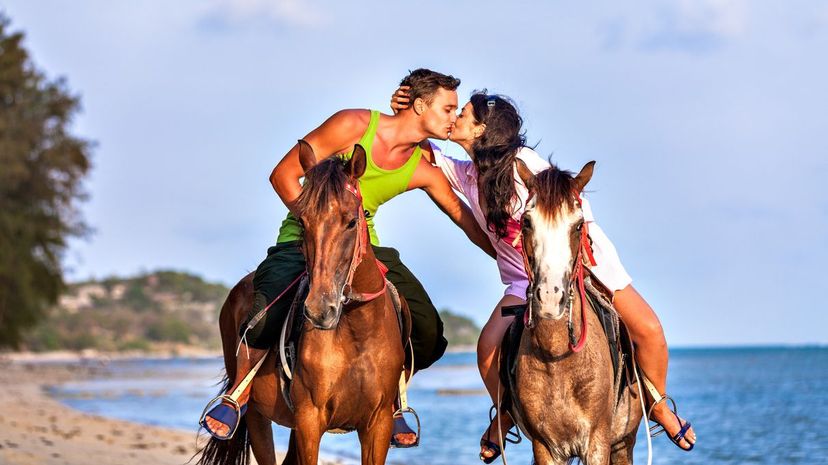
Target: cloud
{"type": "Point", "coordinates": [696, 26]}
{"type": "Point", "coordinates": [234, 14]}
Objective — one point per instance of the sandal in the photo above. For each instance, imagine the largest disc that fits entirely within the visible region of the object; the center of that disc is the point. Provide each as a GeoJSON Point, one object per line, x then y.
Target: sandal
{"type": "Point", "coordinates": [658, 428]}
{"type": "Point", "coordinates": [486, 442]}
{"type": "Point", "coordinates": [228, 412]}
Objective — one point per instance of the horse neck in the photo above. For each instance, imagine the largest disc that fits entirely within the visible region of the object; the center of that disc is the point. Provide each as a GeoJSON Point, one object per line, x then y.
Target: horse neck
{"type": "Point", "coordinates": [552, 336]}
{"type": "Point", "coordinates": [365, 316]}
{"type": "Point", "coordinates": [367, 276]}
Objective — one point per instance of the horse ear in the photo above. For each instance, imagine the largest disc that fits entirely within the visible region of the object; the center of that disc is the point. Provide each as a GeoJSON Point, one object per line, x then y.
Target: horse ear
{"type": "Point", "coordinates": [306, 156]}
{"type": "Point", "coordinates": [358, 162]}
{"type": "Point", "coordinates": [526, 175]}
{"type": "Point", "coordinates": [584, 176]}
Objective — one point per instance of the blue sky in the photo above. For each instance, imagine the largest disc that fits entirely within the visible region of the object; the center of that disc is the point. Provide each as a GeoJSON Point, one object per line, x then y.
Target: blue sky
{"type": "Point", "coordinates": [707, 119]}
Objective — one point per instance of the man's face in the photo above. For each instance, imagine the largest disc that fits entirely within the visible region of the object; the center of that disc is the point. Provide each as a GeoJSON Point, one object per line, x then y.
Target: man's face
{"type": "Point", "coordinates": [439, 117]}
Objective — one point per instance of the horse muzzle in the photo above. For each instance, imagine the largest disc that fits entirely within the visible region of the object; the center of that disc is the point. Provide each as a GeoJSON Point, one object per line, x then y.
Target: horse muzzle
{"type": "Point", "coordinates": [324, 315]}
{"type": "Point", "coordinates": [550, 303]}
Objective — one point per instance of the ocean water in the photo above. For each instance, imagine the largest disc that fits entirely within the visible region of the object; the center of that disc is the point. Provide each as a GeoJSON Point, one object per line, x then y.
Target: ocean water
{"type": "Point", "coordinates": [747, 405]}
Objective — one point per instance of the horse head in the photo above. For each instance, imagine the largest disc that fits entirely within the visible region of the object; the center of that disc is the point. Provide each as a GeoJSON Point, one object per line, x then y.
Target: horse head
{"type": "Point", "coordinates": [551, 231]}
{"type": "Point", "coordinates": [335, 233]}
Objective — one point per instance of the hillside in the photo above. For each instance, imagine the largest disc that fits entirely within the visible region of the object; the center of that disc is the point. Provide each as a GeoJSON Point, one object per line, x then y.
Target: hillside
{"type": "Point", "coordinates": [459, 330]}
{"type": "Point", "coordinates": [154, 311]}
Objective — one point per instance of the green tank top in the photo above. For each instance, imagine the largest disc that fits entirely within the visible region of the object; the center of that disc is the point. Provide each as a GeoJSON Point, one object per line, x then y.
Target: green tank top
{"type": "Point", "coordinates": [377, 186]}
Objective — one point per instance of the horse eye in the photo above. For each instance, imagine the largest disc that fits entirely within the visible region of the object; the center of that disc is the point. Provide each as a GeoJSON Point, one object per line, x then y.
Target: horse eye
{"type": "Point", "coordinates": [352, 224]}
{"type": "Point", "coordinates": [527, 223]}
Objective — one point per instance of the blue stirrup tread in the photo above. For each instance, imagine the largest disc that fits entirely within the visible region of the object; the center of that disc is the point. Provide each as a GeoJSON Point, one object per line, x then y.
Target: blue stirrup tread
{"type": "Point", "coordinates": [227, 415]}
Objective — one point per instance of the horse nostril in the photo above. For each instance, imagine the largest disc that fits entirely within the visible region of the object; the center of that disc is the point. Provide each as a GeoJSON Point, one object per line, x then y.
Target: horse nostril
{"type": "Point", "coordinates": [537, 294]}
{"type": "Point", "coordinates": [557, 289]}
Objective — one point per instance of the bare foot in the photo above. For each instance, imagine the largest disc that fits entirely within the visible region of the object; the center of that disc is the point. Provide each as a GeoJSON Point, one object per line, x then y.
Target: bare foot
{"type": "Point", "coordinates": [403, 434]}
{"type": "Point", "coordinates": [217, 427]}
{"type": "Point", "coordinates": [672, 424]}
{"type": "Point", "coordinates": [220, 428]}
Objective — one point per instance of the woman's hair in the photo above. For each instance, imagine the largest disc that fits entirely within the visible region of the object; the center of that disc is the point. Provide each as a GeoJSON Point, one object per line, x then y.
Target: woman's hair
{"type": "Point", "coordinates": [494, 156]}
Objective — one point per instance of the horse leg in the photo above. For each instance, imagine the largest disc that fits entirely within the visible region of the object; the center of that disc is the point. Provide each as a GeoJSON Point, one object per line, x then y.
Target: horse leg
{"type": "Point", "coordinates": [621, 452]}
{"type": "Point", "coordinates": [598, 452]}
{"type": "Point", "coordinates": [543, 456]}
{"type": "Point", "coordinates": [291, 457]}
{"type": "Point", "coordinates": [309, 431]}
{"type": "Point", "coordinates": [261, 437]}
{"type": "Point", "coordinates": [376, 437]}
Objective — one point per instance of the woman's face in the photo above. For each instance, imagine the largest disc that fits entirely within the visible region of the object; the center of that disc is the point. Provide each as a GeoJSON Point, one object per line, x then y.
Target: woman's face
{"type": "Point", "coordinates": [466, 129]}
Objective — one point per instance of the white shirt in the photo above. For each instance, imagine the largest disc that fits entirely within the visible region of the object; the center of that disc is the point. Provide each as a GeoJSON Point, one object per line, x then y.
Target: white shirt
{"type": "Point", "coordinates": [462, 176]}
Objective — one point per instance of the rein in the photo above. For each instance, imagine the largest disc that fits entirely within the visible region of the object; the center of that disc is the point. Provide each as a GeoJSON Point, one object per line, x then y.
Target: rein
{"type": "Point", "coordinates": [584, 253]}
{"type": "Point", "coordinates": [360, 249]}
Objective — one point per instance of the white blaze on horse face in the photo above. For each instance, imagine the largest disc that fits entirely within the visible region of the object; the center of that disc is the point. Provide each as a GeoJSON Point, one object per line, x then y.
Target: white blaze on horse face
{"type": "Point", "coordinates": [553, 260]}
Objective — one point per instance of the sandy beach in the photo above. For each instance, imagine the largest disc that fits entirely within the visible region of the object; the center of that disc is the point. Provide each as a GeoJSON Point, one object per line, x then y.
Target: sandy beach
{"type": "Point", "coordinates": [38, 430]}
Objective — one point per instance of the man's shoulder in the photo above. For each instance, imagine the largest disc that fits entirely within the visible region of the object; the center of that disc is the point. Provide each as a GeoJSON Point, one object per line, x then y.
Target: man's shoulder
{"type": "Point", "coordinates": [350, 119]}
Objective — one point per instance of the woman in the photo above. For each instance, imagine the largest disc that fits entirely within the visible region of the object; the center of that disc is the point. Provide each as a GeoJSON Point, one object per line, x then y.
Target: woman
{"type": "Point", "coordinates": [489, 130]}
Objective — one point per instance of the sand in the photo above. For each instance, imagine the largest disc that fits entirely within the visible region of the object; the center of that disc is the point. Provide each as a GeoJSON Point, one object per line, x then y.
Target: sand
{"type": "Point", "coordinates": [38, 430]}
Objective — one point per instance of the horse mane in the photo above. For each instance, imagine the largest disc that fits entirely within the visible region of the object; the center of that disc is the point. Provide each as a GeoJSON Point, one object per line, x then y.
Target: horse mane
{"type": "Point", "coordinates": [323, 183]}
{"type": "Point", "coordinates": [553, 187]}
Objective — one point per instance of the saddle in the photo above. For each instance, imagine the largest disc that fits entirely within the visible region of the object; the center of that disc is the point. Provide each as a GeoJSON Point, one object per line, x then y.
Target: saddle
{"type": "Point", "coordinates": [620, 346]}
{"type": "Point", "coordinates": [290, 335]}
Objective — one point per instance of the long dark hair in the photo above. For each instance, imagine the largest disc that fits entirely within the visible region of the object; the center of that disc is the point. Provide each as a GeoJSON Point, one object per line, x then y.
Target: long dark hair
{"type": "Point", "coordinates": [494, 156]}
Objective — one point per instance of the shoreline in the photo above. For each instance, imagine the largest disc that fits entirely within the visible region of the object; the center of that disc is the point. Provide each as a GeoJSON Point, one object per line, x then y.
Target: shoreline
{"type": "Point", "coordinates": [38, 429]}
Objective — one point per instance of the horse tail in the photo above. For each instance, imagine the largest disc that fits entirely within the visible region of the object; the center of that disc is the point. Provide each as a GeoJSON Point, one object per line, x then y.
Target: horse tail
{"type": "Point", "coordinates": [233, 451]}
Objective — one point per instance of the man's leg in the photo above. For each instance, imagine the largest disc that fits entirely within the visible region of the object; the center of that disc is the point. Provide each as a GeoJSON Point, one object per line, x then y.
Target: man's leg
{"type": "Point", "coordinates": [651, 353]}
{"type": "Point", "coordinates": [427, 340]}
{"type": "Point", "coordinates": [276, 276]}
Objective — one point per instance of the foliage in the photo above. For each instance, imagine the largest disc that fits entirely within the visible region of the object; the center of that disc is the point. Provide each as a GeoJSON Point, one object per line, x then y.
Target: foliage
{"type": "Point", "coordinates": [143, 312]}
{"type": "Point", "coordinates": [458, 329]}
{"type": "Point", "coordinates": [41, 169]}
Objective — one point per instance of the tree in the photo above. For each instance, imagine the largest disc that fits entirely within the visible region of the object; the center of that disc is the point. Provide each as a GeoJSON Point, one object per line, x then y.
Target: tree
{"type": "Point", "coordinates": [42, 166]}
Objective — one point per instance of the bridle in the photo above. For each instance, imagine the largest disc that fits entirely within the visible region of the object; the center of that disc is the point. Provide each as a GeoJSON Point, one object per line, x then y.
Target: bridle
{"type": "Point", "coordinates": [583, 254]}
{"type": "Point", "coordinates": [360, 249]}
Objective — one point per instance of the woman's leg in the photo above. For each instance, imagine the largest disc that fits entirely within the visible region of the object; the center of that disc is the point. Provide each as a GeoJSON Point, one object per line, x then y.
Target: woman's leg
{"type": "Point", "coordinates": [651, 353]}
{"type": "Point", "coordinates": [488, 353]}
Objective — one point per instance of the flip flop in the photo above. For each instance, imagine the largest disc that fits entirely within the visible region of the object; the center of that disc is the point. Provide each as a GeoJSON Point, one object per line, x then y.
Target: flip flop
{"type": "Point", "coordinates": [492, 447]}
{"type": "Point", "coordinates": [228, 412]}
{"type": "Point", "coordinates": [658, 428]}
{"type": "Point", "coordinates": [401, 427]}
{"type": "Point", "coordinates": [486, 442]}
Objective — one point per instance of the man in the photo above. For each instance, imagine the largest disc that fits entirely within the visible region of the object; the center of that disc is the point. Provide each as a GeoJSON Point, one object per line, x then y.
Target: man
{"type": "Point", "coordinates": [395, 165]}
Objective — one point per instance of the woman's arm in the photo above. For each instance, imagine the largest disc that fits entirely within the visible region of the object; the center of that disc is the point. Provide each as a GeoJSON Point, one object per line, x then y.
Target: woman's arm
{"type": "Point", "coordinates": [432, 180]}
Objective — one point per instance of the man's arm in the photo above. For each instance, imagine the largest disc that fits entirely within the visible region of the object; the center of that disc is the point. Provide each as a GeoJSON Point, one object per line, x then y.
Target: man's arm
{"type": "Point", "coordinates": [432, 180]}
{"type": "Point", "coordinates": [336, 135]}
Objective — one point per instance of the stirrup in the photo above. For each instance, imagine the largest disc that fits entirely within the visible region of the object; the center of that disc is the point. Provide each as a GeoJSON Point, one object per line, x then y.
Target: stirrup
{"type": "Point", "coordinates": [515, 437]}
{"type": "Point", "coordinates": [217, 402]}
{"type": "Point", "coordinates": [400, 414]}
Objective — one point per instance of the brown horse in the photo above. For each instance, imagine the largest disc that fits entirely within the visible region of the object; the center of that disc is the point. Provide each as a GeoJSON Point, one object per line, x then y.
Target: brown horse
{"type": "Point", "coordinates": [350, 354]}
{"type": "Point", "coordinates": [567, 394]}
